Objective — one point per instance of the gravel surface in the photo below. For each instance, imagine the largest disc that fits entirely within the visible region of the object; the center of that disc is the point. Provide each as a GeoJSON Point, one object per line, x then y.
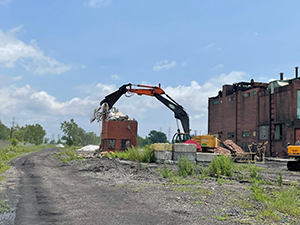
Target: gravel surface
{"type": "Point", "coordinates": [41, 190]}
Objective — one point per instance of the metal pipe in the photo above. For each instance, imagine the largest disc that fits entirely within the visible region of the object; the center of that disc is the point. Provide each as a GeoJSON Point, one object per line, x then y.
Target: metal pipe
{"type": "Point", "coordinates": [296, 71]}
{"type": "Point", "coordinates": [281, 76]}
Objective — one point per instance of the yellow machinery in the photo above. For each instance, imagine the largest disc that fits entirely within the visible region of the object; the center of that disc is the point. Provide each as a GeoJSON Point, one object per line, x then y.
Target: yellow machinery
{"type": "Point", "coordinates": [207, 142]}
{"type": "Point", "coordinates": [294, 152]}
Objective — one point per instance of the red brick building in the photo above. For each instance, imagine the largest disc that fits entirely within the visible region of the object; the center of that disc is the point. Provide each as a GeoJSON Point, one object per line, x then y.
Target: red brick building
{"type": "Point", "coordinates": [118, 134]}
{"type": "Point", "coordinates": [257, 112]}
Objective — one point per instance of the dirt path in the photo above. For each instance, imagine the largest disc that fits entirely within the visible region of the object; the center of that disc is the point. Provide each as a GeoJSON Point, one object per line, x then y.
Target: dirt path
{"type": "Point", "coordinates": [53, 193]}
{"type": "Point", "coordinates": [42, 190]}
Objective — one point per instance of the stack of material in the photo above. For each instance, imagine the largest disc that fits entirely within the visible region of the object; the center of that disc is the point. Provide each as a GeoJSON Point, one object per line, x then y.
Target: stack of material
{"type": "Point", "coordinates": [222, 151]}
{"type": "Point", "coordinates": [115, 115]}
{"type": "Point", "coordinates": [234, 147]}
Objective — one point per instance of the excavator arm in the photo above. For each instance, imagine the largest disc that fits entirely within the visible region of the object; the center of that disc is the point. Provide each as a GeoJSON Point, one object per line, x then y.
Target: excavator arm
{"type": "Point", "coordinates": [154, 91]}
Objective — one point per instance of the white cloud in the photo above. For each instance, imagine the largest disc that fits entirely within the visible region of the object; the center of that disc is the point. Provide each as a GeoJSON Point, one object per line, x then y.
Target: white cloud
{"type": "Point", "coordinates": [5, 80]}
{"type": "Point", "coordinates": [218, 66]}
{"type": "Point", "coordinates": [164, 65]}
{"type": "Point", "coordinates": [97, 3]}
{"type": "Point", "coordinates": [212, 46]}
{"type": "Point", "coordinates": [17, 78]}
{"type": "Point", "coordinates": [32, 106]}
{"type": "Point", "coordinates": [115, 77]}
{"type": "Point", "coordinates": [30, 56]}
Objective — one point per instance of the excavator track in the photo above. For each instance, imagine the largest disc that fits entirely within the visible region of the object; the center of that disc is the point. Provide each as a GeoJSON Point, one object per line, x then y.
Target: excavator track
{"type": "Point", "coordinates": [293, 165]}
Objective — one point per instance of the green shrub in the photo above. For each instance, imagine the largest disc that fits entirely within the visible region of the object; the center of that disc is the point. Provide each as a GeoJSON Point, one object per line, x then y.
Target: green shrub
{"type": "Point", "coordinates": [222, 165]}
{"type": "Point", "coordinates": [68, 154]}
{"type": "Point", "coordinates": [254, 175]}
{"type": "Point", "coordinates": [135, 154]}
{"type": "Point", "coordinates": [185, 166]}
{"type": "Point", "coordinates": [148, 155]}
{"type": "Point", "coordinates": [166, 173]}
{"type": "Point", "coordinates": [14, 142]}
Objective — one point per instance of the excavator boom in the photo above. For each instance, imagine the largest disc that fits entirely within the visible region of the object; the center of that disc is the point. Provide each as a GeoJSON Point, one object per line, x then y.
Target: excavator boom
{"type": "Point", "coordinates": [154, 91]}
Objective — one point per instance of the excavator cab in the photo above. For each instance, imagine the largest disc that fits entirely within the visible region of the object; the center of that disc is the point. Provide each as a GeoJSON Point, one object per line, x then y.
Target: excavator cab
{"type": "Point", "coordinates": [180, 138]}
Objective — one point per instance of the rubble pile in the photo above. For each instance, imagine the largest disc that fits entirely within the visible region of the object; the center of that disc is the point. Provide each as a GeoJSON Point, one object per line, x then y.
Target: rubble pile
{"type": "Point", "coordinates": [234, 147]}
{"type": "Point", "coordinates": [229, 148]}
{"type": "Point", "coordinates": [116, 115]}
{"type": "Point", "coordinates": [222, 151]}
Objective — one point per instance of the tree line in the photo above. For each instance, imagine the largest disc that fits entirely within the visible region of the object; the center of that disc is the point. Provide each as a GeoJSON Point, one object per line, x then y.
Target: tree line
{"type": "Point", "coordinates": [35, 134]}
{"type": "Point", "coordinates": [153, 137]}
{"type": "Point", "coordinates": [73, 135]}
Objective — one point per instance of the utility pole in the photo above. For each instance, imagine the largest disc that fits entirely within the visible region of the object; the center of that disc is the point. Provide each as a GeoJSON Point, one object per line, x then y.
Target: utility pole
{"type": "Point", "coordinates": [169, 133]}
{"type": "Point", "coordinates": [12, 126]}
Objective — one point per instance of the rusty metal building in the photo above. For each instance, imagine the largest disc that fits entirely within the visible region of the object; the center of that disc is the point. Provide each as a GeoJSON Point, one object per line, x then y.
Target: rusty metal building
{"type": "Point", "coordinates": [252, 112]}
{"type": "Point", "coordinates": [118, 134]}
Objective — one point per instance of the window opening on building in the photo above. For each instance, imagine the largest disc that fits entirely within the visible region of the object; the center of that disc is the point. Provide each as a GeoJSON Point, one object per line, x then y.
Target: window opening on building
{"type": "Point", "coordinates": [216, 102]}
{"type": "Point", "coordinates": [246, 95]}
{"type": "Point", "coordinates": [298, 104]}
{"type": "Point", "coordinates": [231, 135]}
{"type": "Point", "coordinates": [125, 144]}
{"type": "Point", "coordinates": [246, 134]}
{"type": "Point", "coordinates": [254, 92]}
{"type": "Point", "coordinates": [245, 146]}
{"type": "Point", "coordinates": [263, 132]}
{"type": "Point", "coordinates": [231, 98]}
{"type": "Point", "coordinates": [111, 143]}
{"type": "Point", "coordinates": [278, 132]}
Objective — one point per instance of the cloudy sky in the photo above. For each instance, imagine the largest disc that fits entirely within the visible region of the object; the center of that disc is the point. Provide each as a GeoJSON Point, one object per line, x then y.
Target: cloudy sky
{"type": "Point", "coordinates": [58, 59]}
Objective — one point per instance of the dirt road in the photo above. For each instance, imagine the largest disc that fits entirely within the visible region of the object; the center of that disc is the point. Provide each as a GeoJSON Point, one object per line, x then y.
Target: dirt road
{"type": "Point", "coordinates": [42, 190]}
{"type": "Point", "coordinates": [54, 193]}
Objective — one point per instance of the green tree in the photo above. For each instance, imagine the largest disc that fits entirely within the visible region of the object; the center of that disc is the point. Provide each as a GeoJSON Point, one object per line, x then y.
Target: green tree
{"type": "Point", "coordinates": [90, 138]}
{"type": "Point", "coordinates": [4, 132]}
{"type": "Point", "coordinates": [70, 129]}
{"type": "Point", "coordinates": [18, 133]}
{"type": "Point", "coordinates": [157, 137]}
{"type": "Point", "coordinates": [33, 134]}
{"type": "Point", "coordinates": [142, 142]}
{"type": "Point", "coordinates": [46, 140]}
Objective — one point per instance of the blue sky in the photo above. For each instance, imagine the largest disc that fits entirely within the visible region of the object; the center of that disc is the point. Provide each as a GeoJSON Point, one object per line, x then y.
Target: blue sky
{"type": "Point", "coordinates": [58, 59]}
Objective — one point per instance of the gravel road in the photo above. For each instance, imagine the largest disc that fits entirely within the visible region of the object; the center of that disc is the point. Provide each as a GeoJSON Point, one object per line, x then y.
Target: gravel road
{"type": "Point", "coordinates": [42, 190]}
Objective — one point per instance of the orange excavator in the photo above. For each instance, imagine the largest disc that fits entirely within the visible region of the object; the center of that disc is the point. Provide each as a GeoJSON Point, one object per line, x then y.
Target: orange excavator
{"type": "Point", "coordinates": [107, 103]}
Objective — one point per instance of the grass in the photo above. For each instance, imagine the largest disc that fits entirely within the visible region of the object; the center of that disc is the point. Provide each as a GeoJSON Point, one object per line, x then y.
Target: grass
{"type": "Point", "coordinates": [223, 218]}
{"type": "Point", "coordinates": [134, 154]}
{"type": "Point", "coordinates": [185, 166]}
{"type": "Point", "coordinates": [222, 165]}
{"type": "Point", "coordinates": [4, 207]}
{"type": "Point", "coordinates": [68, 154]}
{"type": "Point", "coordinates": [276, 202]}
{"type": "Point", "coordinates": [10, 152]}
